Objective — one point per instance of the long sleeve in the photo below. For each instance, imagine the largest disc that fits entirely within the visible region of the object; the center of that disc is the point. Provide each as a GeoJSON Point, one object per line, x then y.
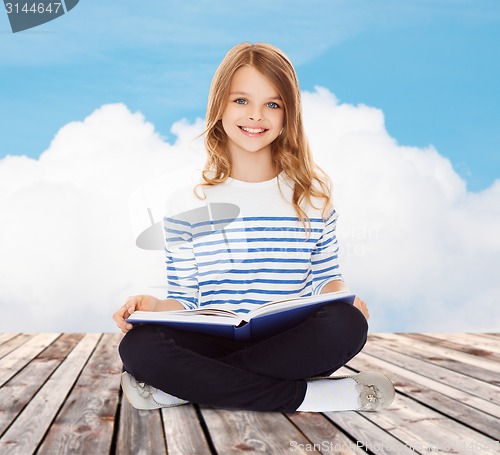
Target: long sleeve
{"type": "Point", "coordinates": [324, 257]}
{"type": "Point", "coordinates": [182, 271]}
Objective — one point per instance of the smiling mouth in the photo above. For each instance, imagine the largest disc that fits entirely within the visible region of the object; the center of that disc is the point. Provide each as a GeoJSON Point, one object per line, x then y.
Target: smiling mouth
{"type": "Point", "coordinates": [252, 130]}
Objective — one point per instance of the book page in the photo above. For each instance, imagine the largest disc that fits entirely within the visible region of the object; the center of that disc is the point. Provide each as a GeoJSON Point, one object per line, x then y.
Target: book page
{"type": "Point", "coordinates": [284, 304]}
{"type": "Point", "coordinates": [166, 315]}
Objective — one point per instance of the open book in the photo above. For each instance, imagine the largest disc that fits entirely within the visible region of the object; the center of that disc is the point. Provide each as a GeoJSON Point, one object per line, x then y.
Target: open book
{"type": "Point", "coordinates": [265, 320]}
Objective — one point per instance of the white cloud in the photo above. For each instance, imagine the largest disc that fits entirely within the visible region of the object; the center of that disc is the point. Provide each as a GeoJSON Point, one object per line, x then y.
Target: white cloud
{"type": "Point", "coordinates": [67, 252]}
{"type": "Point", "coordinates": [417, 246]}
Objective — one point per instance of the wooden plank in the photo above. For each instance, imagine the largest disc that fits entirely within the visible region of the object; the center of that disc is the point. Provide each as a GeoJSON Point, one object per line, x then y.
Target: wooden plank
{"type": "Point", "coordinates": [363, 432]}
{"type": "Point", "coordinates": [457, 343]}
{"type": "Point", "coordinates": [474, 366]}
{"type": "Point", "coordinates": [18, 392]}
{"type": "Point", "coordinates": [7, 336]}
{"type": "Point", "coordinates": [468, 348]}
{"type": "Point", "coordinates": [139, 432]}
{"type": "Point", "coordinates": [237, 432]}
{"type": "Point", "coordinates": [13, 342]}
{"type": "Point", "coordinates": [472, 344]}
{"type": "Point", "coordinates": [424, 429]}
{"type": "Point", "coordinates": [85, 422]}
{"type": "Point", "coordinates": [491, 344]}
{"type": "Point", "coordinates": [368, 436]}
{"type": "Point", "coordinates": [473, 386]}
{"type": "Point", "coordinates": [387, 361]}
{"type": "Point", "coordinates": [494, 336]}
{"type": "Point", "coordinates": [437, 407]}
{"type": "Point", "coordinates": [478, 413]}
{"type": "Point", "coordinates": [38, 415]}
{"type": "Point", "coordinates": [420, 426]}
{"type": "Point", "coordinates": [20, 357]}
{"type": "Point", "coordinates": [325, 437]}
{"type": "Point", "coordinates": [183, 430]}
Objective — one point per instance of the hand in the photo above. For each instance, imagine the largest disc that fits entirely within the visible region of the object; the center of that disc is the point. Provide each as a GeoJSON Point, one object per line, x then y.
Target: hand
{"type": "Point", "coordinates": [361, 306]}
{"type": "Point", "coordinates": [137, 302]}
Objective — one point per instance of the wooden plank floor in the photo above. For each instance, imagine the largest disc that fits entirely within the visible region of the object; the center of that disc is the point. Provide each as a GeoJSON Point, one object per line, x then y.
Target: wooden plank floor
{"type": "Point", "coordinates": [60, 394]}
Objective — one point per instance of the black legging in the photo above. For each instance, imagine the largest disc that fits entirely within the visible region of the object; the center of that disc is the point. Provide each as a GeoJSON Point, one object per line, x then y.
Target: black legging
{"type": "Point", "coordinates": [266, 375]}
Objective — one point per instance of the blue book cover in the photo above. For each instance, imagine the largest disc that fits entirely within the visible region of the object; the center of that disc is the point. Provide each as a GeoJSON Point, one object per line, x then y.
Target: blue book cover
{"type": "Point", "coordinates": [266, 320]}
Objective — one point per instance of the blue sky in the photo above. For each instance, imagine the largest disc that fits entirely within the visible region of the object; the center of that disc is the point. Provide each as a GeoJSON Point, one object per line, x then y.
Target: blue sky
{"type": "Point", "coordinates": [92, 89]}
{"type": "Point", "coordinates": [430, 66]}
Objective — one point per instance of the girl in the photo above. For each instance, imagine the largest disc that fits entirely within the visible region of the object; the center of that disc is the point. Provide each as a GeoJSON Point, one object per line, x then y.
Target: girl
{"type": "Point", "coordinates": [281, 243]}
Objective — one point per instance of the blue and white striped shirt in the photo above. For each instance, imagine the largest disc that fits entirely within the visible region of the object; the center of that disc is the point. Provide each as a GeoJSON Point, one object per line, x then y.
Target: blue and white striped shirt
{"type": "Point", "coordinates": [244, 246]}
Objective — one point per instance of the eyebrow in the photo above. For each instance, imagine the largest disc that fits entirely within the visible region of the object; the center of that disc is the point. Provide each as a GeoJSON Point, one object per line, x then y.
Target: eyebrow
{"type": "Point", "coordinates": [246, 94]}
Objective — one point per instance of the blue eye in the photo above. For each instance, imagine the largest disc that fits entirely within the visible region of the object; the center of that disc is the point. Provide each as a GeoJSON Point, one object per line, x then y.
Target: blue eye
{"type": "Point", "coordinates": [240, 101]}
{"type": "Point", "coordinates": [273, 105]}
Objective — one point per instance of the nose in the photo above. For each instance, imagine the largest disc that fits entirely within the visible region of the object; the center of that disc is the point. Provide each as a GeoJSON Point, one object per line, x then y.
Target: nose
{"type": "Point", "coordinates": [255, 115]}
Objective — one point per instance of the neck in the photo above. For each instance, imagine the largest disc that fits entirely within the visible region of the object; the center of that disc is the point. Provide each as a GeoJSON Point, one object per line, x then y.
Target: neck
{"type": "Point", "coordinates": [254, 167]}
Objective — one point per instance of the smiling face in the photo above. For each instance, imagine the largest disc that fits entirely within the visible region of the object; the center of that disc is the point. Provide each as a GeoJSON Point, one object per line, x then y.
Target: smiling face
{"type": "Point", "coordinates": [254, 114]}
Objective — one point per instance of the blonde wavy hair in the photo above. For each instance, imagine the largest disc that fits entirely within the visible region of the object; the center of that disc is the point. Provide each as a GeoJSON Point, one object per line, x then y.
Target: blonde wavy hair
{"type": "Point", "coordinates": [290, 150]}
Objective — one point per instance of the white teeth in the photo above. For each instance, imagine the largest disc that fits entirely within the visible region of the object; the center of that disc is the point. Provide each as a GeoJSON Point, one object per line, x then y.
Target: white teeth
{"type": "Point", "coordinates": [252, 130]}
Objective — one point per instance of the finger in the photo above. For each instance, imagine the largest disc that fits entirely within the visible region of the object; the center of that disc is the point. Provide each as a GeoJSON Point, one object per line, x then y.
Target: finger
{"type": "Point", "coordinates": [131, 305]}
{"type": "Point", "coordinates": [120, 315]}
{"type": "Point", "coordinates": [124, 312]}
{"type": "Point", "coordinates": [123, 325]}
{"type": "Point", "coordinates": [119, 318]}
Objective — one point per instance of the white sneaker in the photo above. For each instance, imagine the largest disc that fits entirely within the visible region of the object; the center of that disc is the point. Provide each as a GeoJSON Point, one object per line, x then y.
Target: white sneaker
{"type": "Point", "coordinates": [144, 396]}
{"type": "Point", "coordinates": [376, 391]}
